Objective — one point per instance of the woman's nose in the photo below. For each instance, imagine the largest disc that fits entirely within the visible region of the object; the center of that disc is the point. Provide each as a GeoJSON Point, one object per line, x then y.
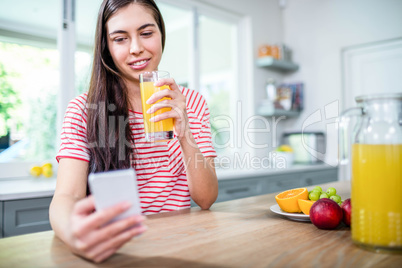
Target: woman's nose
{"type": "Point", "coordinates": [136, 47]}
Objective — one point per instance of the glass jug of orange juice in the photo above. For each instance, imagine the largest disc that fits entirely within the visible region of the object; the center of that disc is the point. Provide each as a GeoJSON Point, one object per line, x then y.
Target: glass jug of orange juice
{"type": "Point", "coordinates": [376, 170]}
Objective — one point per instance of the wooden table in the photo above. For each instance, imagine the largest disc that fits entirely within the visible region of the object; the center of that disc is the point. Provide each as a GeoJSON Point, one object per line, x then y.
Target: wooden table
{"type": "Point", "coordinates": [239, 233]}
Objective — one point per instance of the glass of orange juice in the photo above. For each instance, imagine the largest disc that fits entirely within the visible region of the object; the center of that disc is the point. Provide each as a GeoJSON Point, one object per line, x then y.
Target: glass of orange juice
{"type": "Point", "coordinates": [161, 130]}
{"type": "Point", "coordinates": [376, 171]}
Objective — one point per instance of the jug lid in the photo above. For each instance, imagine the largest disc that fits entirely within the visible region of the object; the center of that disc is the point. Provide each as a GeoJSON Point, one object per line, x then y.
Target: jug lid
{"type": "Point", "coordinates": [397, 96]}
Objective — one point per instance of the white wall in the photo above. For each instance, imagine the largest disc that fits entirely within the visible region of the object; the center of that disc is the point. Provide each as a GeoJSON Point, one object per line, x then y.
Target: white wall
{"type": "Point", "coordinates": [318, 30]}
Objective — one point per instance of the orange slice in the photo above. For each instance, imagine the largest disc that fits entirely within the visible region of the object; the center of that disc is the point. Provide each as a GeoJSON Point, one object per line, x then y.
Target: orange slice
{"type": "Point", "coordinates": [305, 205]}
{"type": "Point", "coordinates": [287, 200]}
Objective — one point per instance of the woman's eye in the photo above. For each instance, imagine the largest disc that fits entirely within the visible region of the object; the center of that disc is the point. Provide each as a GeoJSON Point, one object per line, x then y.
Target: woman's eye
{"type": "Point", "coordinates": [119, 39]}
{"type": "Point", "coordinates": [146, 33]}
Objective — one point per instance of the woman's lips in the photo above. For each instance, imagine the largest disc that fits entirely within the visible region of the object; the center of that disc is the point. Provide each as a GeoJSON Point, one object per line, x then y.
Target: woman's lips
{"type": "Point", "coordinates": [138, 65]}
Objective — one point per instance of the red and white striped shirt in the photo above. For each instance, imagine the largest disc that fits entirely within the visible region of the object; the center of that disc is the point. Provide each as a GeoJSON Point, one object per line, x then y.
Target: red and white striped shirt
{"type": "Point", "coordinates": [161, 174]}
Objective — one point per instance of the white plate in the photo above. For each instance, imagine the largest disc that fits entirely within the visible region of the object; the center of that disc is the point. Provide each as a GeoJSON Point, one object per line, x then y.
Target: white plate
{"type": "Point", "coordinates": [292, 216]}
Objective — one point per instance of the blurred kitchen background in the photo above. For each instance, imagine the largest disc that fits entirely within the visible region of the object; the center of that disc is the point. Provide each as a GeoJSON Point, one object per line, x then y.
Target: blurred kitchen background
{"type": "Point", "coordinates": [338, 49]}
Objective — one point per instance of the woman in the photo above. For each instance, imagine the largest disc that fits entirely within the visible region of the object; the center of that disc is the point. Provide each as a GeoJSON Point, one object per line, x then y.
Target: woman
{"type": "Point", "coordinates": [130, 38]}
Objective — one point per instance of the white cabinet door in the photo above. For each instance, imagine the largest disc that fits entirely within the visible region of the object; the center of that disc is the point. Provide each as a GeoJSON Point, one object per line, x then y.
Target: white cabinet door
{"type": "Point", "coordinates": [372, 68]}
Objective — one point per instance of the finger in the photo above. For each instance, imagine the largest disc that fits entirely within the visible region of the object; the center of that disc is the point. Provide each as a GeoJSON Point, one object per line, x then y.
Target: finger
{"type": "Point", "coordinates": [99, 218]}
{"type": "Point", "coordinates": [168, 82]}
{"type": "Point", "coordinates": [119, 226]}
{"type": "Point", "coordinates": [159, 105]}
{"type": "Point", "coordinates": [163, 116]}
{"type": "Point", "coordinates": [175, 113]}
{"type": "Point", "coordinates": [116, 241]}
{"type": "Point", "coordinates": [165, 93]}
{"type": "Point", "coordinates": [85, 206]}
{"type": "Point", "coordinates": [104, 216]}
{"type": "Point", "coordinates": [104, 233]}
{"type": "Point", "coordinates": [104, 255]}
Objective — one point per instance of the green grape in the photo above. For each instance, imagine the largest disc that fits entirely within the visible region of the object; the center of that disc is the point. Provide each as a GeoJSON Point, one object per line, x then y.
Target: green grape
{"type": "Point", "coordinates": [336, 198]}
{"type": "Point", "coordinates": [331, 191]}
{"type": "Point", "coordinates": [317, 189]}
{"type": "Point", "coordinates": [324, 195]}
{"type": "Point", "coordinates": [314, 196]}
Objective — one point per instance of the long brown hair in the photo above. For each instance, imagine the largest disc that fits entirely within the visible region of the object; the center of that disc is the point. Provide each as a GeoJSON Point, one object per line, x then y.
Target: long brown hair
{"type": "Point", "coordinates": [108, 129]}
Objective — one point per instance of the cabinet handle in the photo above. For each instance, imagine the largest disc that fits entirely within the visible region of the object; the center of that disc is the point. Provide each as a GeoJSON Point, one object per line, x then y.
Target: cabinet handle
{"type": "Point", "coordinates": [238, 190]}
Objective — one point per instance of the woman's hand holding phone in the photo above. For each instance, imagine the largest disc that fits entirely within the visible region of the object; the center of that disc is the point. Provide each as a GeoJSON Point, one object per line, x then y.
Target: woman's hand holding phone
{"type": "Point", "coordinates": [90, 235]}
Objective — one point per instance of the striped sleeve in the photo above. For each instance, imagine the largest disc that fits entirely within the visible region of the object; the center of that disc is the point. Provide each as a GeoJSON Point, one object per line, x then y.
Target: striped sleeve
{"type": "Point", "coordinates": [74, 131]}
{"type": "Point", "coordinates": [198, 115]}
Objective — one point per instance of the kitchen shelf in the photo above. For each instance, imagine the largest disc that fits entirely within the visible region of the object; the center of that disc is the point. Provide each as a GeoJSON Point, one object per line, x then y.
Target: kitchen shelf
{"type": "Point", "coordinates": [277, 65]}
{"type": "Point", "coordinates": [290, 113]}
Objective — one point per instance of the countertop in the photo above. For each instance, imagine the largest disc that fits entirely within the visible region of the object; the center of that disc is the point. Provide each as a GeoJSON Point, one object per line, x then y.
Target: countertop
{"type": "Point", "coordinates": [224, 174]}
{"type": "Point", "coordinates": [29, 187]}
{"type": "Point", "coordinates": [26, 187]}
{"type": "Point", "coordinates": [238, 233]}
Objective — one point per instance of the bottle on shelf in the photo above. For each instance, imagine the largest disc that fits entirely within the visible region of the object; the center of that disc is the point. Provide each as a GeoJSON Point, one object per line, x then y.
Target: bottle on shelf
{"type": "Point", "coordinates": [266, 105]}
{"type": "Point", "coordinates": [270, 88]}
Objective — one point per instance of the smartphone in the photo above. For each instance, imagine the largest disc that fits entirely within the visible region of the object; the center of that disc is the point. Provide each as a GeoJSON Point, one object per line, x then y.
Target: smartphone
{"type": "Point", "coordinates": [112, 187]}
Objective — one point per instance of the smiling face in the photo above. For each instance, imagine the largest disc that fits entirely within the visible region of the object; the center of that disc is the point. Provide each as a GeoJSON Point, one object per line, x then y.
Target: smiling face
{"type": "Point", "coordinates": [134, 41]}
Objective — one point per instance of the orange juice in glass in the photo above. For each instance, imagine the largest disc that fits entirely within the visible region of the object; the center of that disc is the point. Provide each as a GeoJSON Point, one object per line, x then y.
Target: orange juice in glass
{"type": "Point", "coordinates": [154, 131]}
{"type": "Point", "coordinates": [377, 196]}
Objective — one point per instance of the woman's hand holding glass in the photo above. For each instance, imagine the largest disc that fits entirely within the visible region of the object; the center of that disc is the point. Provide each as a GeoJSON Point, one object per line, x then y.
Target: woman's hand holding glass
{"type": "Point", "coordinates": [177, 102]}
{"type": "Point", "coordinates": [92, 239]}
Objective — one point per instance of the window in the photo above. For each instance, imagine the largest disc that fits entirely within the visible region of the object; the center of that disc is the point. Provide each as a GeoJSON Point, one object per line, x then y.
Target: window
{"type": "Point", "coordinates": [204, 42]}
{"type": "Point", "coordinates": [177, 58]}
{"type": "Point", "coordinates": [218, 76]}
{"type": "Point", "coordinates": [30, 77]}
{"type": "Point", "coordinates": [29, 125]}
{"type": "Point", "coordinates": [201, 53]}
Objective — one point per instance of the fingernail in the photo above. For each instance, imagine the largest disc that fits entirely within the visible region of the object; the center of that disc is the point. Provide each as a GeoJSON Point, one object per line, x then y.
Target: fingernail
{"type": "Point", "coordinates": [152, 119]}
{"type": "Point", "coordinates": [149, 111]}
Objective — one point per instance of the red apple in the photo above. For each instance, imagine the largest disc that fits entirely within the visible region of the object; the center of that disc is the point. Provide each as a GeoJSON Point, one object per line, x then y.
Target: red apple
{"type": "Point", "coordinates": [347, 211]}
{"type": "Point", "coordinates": [326, 214]}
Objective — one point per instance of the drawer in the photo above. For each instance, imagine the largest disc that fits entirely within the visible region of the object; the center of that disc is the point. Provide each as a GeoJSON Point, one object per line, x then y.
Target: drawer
{"type": "Point", "coordinates": [319, 177]}
{"type": "Point", "coordinates": [1, 219]}
{"type": "Point", "coordinates": [26, 216]}
{"type": "Point", "coordinates": [283, 182]}
{"type": "Point", "coordinates": [235, 189]}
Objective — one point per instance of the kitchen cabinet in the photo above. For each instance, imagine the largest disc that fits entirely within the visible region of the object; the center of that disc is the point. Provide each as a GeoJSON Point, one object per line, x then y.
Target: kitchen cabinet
{"type": "Point", "coordinates": [234, 189]}
{"type": "Point", "coordinates": [1, 219]}
{"type": "Point", "coordinates": [318, 177]}
{"type": "Point", "coordinates": [24, 216]}
{"type": "Point", "coordinates": [230, 189]}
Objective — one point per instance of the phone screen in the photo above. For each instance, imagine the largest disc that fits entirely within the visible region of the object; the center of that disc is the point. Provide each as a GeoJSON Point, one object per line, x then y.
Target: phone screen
{"type": "Point", "coordinates": [112, 187]}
